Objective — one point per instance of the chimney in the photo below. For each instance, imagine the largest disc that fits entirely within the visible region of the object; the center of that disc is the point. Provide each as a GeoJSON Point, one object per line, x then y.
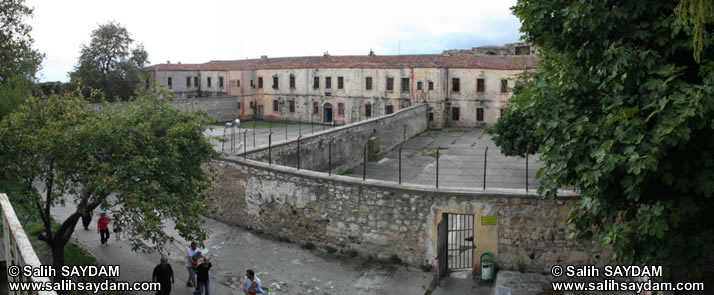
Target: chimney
{"type": "Point", "coordinates": [263, 57]}
{"type": "Point", "coordinates": [168, 62]}
{"type": "Point", "coordinates": [179, 62]}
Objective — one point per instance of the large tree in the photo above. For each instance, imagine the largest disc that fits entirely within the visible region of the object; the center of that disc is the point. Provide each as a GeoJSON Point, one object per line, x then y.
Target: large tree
{"type": "Point", "coordinates": [111, 63]}
{"type": "Point", "coordinates": [621, 110]}
{"type": "Point", "coordinates": [143, 163]}
{"type": "Point", "coordinates": [19, 62]}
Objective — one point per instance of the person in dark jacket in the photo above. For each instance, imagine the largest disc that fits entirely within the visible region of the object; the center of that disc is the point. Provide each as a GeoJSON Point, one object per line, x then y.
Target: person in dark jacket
{"type": "Point", "coordinates": [202, 277]}
{"type": "Point", "coordinates": [164, 275]}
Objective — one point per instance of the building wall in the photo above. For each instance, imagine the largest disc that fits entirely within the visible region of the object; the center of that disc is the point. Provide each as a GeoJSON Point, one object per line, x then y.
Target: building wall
{"type": "Point", "coordinates": [383, 218]}
{"type": "Point", "coordinates": [354, 95]}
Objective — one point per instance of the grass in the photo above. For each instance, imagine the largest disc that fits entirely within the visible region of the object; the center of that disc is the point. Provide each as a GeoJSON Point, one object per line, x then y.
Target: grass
{"type": "Point", "coordinates": [348, 171]}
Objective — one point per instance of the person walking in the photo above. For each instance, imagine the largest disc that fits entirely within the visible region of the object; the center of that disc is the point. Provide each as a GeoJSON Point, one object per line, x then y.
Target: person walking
{"type": "Point", "coordinates": [251, 284]}
{"type": "Point", "coordinates": [103, 228]}
{"type": "Point", "coordinates": [164, 275]}
{"type": "Point", "coordinates": [202, 277]}
{"type": "Point", "coordinates": [192, 251]}
{"type": "Point", "coordinates": [117, 229]}
{"type": "Point", "coordinates": [86, 218]}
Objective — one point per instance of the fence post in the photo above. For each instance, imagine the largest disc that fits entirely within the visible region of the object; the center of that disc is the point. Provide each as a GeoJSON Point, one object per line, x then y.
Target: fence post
{"type": "Point", "coordinates": [437, 166]}
{"type": "Point", "coordinates": [329, 159]}
{"type": "Point", "coordinates": [526, 169]}
{"type": "Point", "coordinates": [297, 153]}
{"type": "Point", "coordinates": [300, 125]}
{"type": "Point", "coordinates": [253, 133]}
{"type": "Point", "coordinates": [485, 154]}
{"type": "Point", "coordinates": [224, 137]}
{"type": "Point", "coordinates": [286, 129]}
{"type": "Point", "coordinates": [270, 143]}
{"type": "Point", "coordinates": [245, 143]}
{"type": "Point", "coordinates": [400, 163]}
{"type": "Point", "coordinates": [364, 164]}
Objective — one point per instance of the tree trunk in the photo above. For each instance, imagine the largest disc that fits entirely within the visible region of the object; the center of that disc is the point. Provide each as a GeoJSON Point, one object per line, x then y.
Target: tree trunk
{"type": "Point", "coordinates": [58, 261]}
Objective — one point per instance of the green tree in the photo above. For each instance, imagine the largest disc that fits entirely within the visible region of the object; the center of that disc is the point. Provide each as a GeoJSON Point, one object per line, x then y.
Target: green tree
{"type": "Point", "coordinates": [19, 62]}
{"type": "Point", "coordinates": [110, 64]}
{"type": "Point", "coordinates": [621, 110]}
{"type": "Point", "coordinates": [148, 156]}
{"type": "Point", "coordinates": [514, 132]}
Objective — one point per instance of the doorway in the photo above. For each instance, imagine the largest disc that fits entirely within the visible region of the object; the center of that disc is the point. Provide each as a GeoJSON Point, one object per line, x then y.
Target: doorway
{"type": "Point", "coordinates": [328, 112]}
{"type": "Point", "coordinates": [260, 111]}
{"type": "Point", "coordinates": [455, 243]}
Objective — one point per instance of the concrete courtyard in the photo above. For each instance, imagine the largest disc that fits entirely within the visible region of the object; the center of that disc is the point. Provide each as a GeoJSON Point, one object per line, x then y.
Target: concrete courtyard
{"type": "Point", "coordinates": [257, 134]}
{"type": "Point", "coordinates": [461, 162]}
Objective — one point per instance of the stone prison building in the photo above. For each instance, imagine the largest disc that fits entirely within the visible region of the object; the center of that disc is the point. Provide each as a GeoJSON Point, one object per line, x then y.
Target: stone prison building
{"type": "Point", "coordinates": [392, 98]}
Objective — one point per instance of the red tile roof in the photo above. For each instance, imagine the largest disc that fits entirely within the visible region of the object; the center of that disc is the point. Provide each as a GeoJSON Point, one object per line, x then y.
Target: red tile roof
{"type": "Point", "coordinates": [379, 62]}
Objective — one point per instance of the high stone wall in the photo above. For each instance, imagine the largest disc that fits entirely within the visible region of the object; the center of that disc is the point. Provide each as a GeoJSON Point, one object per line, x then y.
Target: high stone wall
{"type": "Point", "coordinates": [220, 108]}
{"type": "Point", "coordinates": [349, 140]}
{"type": "Point", "coordinates": [383, 218]}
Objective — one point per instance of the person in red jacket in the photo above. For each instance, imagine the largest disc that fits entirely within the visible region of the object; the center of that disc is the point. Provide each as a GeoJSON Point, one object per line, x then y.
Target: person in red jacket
{"type": "Point", "coordinates": [103, 228]}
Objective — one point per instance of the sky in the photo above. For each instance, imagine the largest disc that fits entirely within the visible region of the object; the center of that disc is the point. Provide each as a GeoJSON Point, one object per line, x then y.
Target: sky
{"type": "Point", "coordinates": [198, 31]}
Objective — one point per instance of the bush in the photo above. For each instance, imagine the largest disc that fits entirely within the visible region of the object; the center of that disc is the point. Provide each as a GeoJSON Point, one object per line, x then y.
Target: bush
{"type": "Point", "coordinates": [331, 250]}
{"type": "Point", "coordinates": [353, 253]}
{"type": "Point", "coordinates": [284, 239]}
{"type": "Point", "coordinates": [425, 267]}
{"type": "Point", "coordinates": [395, 259]}
{"type": "Point", "coordinates": [309, 246]}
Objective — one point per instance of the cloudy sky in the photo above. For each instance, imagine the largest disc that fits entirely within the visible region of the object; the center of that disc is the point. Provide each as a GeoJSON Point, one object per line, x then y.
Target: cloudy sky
{"type": "Point", "coordinates": [201, 30]}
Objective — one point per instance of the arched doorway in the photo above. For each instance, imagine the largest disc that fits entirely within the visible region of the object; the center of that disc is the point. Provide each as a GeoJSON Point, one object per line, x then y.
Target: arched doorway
{"type": "Point", "coordinates": [327, 110]}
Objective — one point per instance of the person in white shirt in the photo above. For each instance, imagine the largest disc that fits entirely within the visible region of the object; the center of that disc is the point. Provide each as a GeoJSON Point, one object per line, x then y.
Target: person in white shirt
{"type": "Point", "coordinates": [192, 251]}
{"type": "Point", "coordinates": [251, 283]}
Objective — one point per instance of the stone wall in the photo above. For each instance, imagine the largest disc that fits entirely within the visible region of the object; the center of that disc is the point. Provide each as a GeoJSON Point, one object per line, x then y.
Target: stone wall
{"type": "Point", "coordinates": [383, 218]}
{"type": "Point", "coordinates": [347, 148]}
{"type": "Point", "coordinates": [220, 108]}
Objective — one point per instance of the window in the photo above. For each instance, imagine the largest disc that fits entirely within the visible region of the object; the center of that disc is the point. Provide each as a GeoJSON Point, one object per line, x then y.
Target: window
{"type": "Point", "coordinates": [195, 82]}
{"type": "Point", "coordinates": [504, 86]}
{"type": "Point", "coordinates": [340, 109]}
{"type": "Point", "coordinates": [419, 85]}
{"type": "Point", "coordinates": [390, 83]}
{"type": "Point", "coordinates": [369, 83]}
{"type": "Point", "coordinates": [480, 85]}
{"type": "Point", "coordinates": [275, 82]}
{"type": "Point", "coordinates": [292, 81]}
{"type": "Point", "coordinates": [252, 104]}
{"type": "Point", "coordinates": [328, 82]}
{"type": "Point", "coordinates": [315, 108]}
{"type": "Point", "coordinates": [275, 105]}
{"type": "Point", "coordinates": [455, 112]}
{"type": "Point", "coordinates": [340, 82]}
{"type": "Point", "coordinates": [237, 83]}
{"type": "Point", "coordinates": [220, 82]}
{"type": "Point", "coordinates": [431, 116]}
{"type": "Point", "coordinates": [502, 112]}
{"type": "Point", "coordinates": [390, 109]}
{"type": "Point", "coordinates": [405, 84]}
{"type": "Point", "coordinates": [252, 84]}
{"type": "Point", "coordinates": [292, 106]}
{"type": "Point", "coordinates": [188, 82]}
{"type": "Point", "coordinates": [239, 105]}
{"type": "Point", "coordinates": [316, 83]}
{"type": "Point", "coordinates": [368, 110]}
{"type": "Point", "coordinates": [208, 82]}
{"type": "Point", "coordinates": [169, 83]}
{"type": "Point", "coordinates": [260, 82]}
{"type": "Point", "coordinates": [431, 85]}
{"type": "Point", "coordinates": [479, 114]}
{"type": "Point", "coordinates": [455, 85]}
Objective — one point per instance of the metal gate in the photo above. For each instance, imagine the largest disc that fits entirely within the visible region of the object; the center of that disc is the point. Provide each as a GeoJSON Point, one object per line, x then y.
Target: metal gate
{"type": "Point", "coordinates": [455, 243]}
{"type": "Point", "coordinates": [460, 241]}
{"type": "Point", "coordinates": [441, 248]}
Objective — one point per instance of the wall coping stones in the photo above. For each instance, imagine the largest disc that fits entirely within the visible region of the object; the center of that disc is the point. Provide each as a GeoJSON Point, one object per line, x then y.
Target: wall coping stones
{"type": "Point", "coordinates": [408, 188]}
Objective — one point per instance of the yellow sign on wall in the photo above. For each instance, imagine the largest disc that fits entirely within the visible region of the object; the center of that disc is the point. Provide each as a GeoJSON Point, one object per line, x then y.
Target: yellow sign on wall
{"type": "Point", "coordinates": [488, 220]}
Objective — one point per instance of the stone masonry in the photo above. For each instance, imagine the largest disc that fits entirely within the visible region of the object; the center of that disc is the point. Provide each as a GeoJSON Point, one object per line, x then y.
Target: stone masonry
{"type": "Point", "coordinates": [383, 218]}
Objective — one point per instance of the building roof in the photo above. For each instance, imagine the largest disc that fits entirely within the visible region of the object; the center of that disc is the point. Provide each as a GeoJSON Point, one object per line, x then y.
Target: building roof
{"type": "Point", "coordinates": [494, 62]}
